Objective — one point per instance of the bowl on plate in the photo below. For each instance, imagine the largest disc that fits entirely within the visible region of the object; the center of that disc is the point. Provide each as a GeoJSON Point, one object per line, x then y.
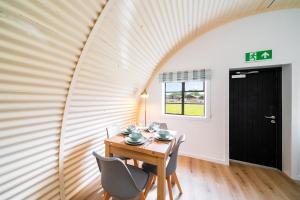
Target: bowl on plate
{"type": "Point", "coordinates": [163, 133]}
{"type": "Point", "coordinates": [131, 129]}
{"type": "Point", "coordinates": [135, 135]}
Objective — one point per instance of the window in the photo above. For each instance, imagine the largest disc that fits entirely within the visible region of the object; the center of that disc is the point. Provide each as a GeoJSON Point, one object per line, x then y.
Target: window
{"type": "Point", "coordinates": [185, 98]}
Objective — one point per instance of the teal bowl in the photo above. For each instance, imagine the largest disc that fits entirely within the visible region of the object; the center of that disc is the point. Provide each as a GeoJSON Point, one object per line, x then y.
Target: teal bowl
{"type": "Point", "coordinates": [134, 136]}
{"type": "Point", "coordinates": [163, 133]}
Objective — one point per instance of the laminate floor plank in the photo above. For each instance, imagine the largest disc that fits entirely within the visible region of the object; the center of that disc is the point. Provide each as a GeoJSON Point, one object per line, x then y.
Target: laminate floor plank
{"type": "Point", "coordinates": [205, 180]}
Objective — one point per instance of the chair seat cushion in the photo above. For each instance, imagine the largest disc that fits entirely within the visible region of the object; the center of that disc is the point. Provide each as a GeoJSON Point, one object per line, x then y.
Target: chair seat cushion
{"type": "Point", "coordinates": [149, 168]}
{"type": "Point", "coordinates": [140, 177]}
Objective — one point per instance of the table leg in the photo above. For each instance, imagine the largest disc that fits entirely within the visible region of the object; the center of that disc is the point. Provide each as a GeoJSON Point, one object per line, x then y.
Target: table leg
{"type": "Point", "coordinates": [161, 179]}
{"type": "Point", "coordinates": [107, 150]}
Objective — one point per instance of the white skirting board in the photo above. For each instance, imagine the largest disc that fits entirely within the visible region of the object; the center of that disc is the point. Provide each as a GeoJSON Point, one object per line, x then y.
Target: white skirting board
{"type": "Point", "coordinates": [206, 158]}
{"type": "Point", "coordinates": [252, 164]}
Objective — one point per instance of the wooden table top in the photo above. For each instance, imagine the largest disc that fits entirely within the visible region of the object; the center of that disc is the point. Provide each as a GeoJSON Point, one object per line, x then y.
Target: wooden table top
{"type": "Point", "coordinates": [151, 146]}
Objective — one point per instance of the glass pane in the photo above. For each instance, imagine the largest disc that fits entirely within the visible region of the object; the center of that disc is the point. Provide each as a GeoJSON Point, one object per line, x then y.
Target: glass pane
{"type": "Point", "coordinates": [173, 97]}
{"type": "Point", "coordinates": [194, 97]}
{"type": "Point", "coordinates": [194, 86]}
{"type": "Point", "coordinates": [194, 109]}
{"type": "Point", "coordinates": [173, 87]}
{"type": "Point", "coordinates": [173, 109]}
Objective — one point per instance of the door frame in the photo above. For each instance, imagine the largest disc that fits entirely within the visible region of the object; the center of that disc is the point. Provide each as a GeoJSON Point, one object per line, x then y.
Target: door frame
{"type": "Point", "coordinates": [279, 100]}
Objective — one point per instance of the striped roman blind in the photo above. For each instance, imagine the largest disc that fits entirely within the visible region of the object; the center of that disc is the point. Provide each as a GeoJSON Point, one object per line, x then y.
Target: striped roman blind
{"type": "Point", "coordinates": [181, 76]}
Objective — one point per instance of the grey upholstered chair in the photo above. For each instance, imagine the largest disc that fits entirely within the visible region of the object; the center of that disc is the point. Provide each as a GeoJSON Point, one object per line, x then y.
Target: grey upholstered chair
{"type": "Point", "coordinates": [161, 125]}
{"type": "Point", "coordinates": [120, 180]}
{"type": "Point", "coordinates": [111, 131]}
{"type": "Point", "coordinates": [114, 130]}
{"type": "Point", "coordinates": [170, 169]}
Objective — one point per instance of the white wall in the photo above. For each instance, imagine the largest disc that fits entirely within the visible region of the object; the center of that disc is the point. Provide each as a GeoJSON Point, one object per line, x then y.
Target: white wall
{"type": "Point", "coordinates": [286, 117]}
{"type": "Point", "coordinates": [222, 49]}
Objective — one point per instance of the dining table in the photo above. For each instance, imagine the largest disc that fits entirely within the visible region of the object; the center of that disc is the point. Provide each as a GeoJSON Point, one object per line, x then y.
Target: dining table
{"type": "Point", "coordinates": [153, 151]}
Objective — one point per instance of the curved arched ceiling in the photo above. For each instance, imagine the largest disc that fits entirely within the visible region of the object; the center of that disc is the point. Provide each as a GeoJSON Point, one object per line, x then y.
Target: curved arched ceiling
{"type": "Point", "coordinates": [71, 68]}
{"type": "Point", "coordinates": [136, 36]}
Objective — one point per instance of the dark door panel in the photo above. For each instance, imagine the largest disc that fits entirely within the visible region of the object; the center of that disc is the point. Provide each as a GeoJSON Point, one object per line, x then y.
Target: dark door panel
{"type": "Point", "coordinates": [255, 117]}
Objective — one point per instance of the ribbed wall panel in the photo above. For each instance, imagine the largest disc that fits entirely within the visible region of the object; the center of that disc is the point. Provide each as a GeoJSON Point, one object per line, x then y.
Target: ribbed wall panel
{"type": "Point", "coordinates": [22, 179]}
{"type": "Point", "coordinates": [6, 178]}
{"type": "Point", "coordinates": [83, 149]}
{"type": "Point", "coordinates": [69, 69]}
{"type": "Point", "coordinates": [83, 181]}
{"type": "Point", "coordinates": [28, 147]}
{"type": "Point", "coordinates": [40, 43]}
{"type": "Point", "coordinates": [49, 192]}
{"type": "Point", "coordinates": [52, 194]}
{"type": "Point", "coordinates": [29, 151]}
{"type": "Point", "coordinates": [88, 117]}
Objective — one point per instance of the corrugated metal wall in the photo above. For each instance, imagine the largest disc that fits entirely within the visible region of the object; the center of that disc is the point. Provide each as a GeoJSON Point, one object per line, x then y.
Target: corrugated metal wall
{"type": "Point", "coordinates": [102, 95]}
{"type": "Point", "coordinates": [68, 70]}
{"type": "Point", "coordinates": [40, 43]}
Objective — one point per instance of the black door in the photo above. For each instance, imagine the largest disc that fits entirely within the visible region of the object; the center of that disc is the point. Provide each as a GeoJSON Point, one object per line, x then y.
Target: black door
{"type": "Point", "coordinates": [255, 116]}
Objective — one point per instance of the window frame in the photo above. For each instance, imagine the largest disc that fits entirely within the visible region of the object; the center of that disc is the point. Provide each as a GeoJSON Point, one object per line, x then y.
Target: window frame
{"type": "Point", "coordinates": [183, 93]}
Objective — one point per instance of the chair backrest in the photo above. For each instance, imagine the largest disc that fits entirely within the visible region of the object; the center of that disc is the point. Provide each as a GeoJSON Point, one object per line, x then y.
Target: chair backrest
{"type": "Point", "coordinates": [112, 130]}
{"type": "Point", "coordinates": [171, 167]}
{"type": "Point", "coordinates": [163, 126]}
{"type": "Point", "coordinates": [116, 179]}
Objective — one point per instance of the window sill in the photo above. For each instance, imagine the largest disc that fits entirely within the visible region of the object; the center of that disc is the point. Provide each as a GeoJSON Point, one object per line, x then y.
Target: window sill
{"type": "Point", "coordinates": [205, 118]}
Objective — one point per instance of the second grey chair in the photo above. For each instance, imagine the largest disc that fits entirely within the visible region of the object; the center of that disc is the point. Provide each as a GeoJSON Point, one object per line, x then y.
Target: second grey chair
{"type": "Point", "coordinates": [161, 125]}
{"type": "Point", "coordinates": [170, 169]}
{"type": "Point", "coordinates": [114, 130]}
{"type": "Point", "coordinates": [120, 180]}
{"type": "Point", "coordinates": [111, 131]}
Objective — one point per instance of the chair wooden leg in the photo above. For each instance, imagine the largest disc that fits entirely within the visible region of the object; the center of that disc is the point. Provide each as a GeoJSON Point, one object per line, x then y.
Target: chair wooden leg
{"type": "Point", "coordinates": [173, 179]}
{"type": "Point", "coordinates": [177, 182]}
{"type": "Point", "coordinates": [136, 163]}
{"type": "Point", "coordinates": [106, 196]}
{"type": "Point", "coordinates": [154, 180]}
{"type": "Point", "coordinates": [142, 197]}
{"type": "Point", "coordinates": [169, 181]}
{"type": "Point", "coordinates": [149, 186]}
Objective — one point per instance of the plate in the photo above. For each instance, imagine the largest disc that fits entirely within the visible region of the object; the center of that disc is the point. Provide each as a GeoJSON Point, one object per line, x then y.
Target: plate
{"type": "Point", "coordinates": [140, 141]}
{"type": "Point", "coordinates": [135, 141]}
{"type": "Point", "coordinates": [168, 138]}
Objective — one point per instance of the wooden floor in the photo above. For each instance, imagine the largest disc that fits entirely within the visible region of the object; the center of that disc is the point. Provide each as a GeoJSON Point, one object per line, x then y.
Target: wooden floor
{"type": "Point", "coordinates": [209, 181]}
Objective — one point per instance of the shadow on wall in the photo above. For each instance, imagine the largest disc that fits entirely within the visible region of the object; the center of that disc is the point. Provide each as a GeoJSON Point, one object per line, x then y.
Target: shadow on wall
{"type": "Point", "coordinates": [81, 173]}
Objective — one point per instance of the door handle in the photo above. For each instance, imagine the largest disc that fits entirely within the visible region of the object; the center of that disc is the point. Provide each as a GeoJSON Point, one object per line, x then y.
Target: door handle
{"type": "Point", "coordinates": [270, 117]}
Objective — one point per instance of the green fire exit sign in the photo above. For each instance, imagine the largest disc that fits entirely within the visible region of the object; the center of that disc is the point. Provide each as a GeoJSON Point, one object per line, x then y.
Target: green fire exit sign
{"type": "Point", "coordinates": [258, 55]}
